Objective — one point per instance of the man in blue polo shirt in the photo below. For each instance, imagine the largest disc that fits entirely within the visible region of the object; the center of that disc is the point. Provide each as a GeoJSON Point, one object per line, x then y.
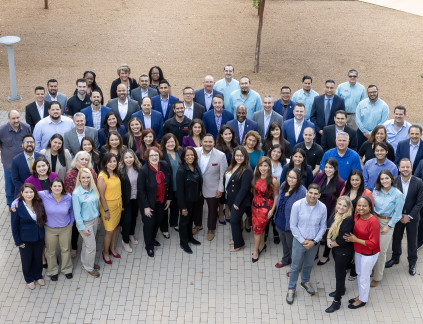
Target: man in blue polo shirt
{"type": "Point", "coordinates": [305, 95]}
{"type": "Point", "coordinates": [246, 97]}
{"type": "Point", "coordinates": [348, 159]}
{"type": "Point", "coordinates": [228, 84]}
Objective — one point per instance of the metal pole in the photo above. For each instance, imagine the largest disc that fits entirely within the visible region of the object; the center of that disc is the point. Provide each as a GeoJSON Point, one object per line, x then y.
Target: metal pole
{"type": "Point", "coordinates": [9, 41]}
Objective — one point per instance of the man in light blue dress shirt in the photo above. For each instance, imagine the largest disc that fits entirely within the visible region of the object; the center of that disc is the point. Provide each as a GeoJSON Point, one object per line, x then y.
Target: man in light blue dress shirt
{"type": "Point", "coordinates": [397, 128]}
{"type": "Point", "coordinates": [305, 95]}
{"type": "Point", "coordinates": [228, 84]}
{"type": "Point", "coordinates": [246, 97]}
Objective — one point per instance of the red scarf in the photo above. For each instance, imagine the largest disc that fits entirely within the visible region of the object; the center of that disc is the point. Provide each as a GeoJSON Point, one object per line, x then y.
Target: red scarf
{"type": "Point", "coordinates": [161, 186]}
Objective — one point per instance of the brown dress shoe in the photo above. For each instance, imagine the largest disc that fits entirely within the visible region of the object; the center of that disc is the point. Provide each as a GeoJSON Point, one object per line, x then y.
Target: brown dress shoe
{"type": "Point", "coordinates": [374, 283]}
{"type": "Point", "coordinates": [195, 230]}
{"type": "Point", "coordinates": [210, 235]}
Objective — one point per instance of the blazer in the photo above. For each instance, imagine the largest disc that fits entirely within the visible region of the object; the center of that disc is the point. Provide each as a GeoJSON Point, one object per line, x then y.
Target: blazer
{"type": "Point", "coordinates": [20, 170]}
{"type": "Point", "coordinates": [137, 95]}
{"type": "Point", "coordinates": [72, 141]}
{"type": "Point", "coordinates": [156, 122]}
{"type": "Point", "coordinates": [60, 98]}
{"type": "Point", "coordinates": [133, 107]}
{"type": "Point", "coordinates": [147, 185]}
{"type": "Point", "coordinates": [102, 136]}
{"type": "Point", "coordinates": [414, 199]}
{"type": "Point", "coordinates": [36, 182]}
{"type": "Point", "coordinates": [282, 215]}
{"type": "Point", "coordinates": [210, 122]}
{"type": "Point", "coordinates": [113, 93]}
{"type": "Point", "coordinates": [249, 125]}
{"type": "Point", "coordinates": [24, 228]}
{"type": "Point", "coordinates": [288, 131]}
{"type": "Point", "coordinates": [60, 169]}
{"type": "Point", "coordinates": [157, 106]}
{"type": "Point", "coordinates": [329, 137]}
{"type": "Point", "coordinates": [403, 150]}
{"type": "Point", "coordinates": [238, 190]}
{"type": "Point", "coordinates": [330, 204]}
{"type": "Point", "coordinates": [189, 184]}
{"type": "Point", "coordinates": [126, 188]}
{"type": "Point", "coordinates": [258, 117]}
{"type": "Point", "coordinates": [32, 116]}
{"type": "Point", "coordinates": [317, 115]}
{"type": "Point", "coordinates": [278, 107]}
{"type": "Point", "coordinates": [200, 97]}
{"type": "Point", "coordinates": [88, 112]}
{"type": "Point", "coordinates": [198, 111]}
{"type": "Point", "coordinates": [214, 172]}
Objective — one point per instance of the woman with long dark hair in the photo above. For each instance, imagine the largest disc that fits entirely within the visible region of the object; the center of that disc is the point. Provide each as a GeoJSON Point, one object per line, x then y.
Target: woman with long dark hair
{"type": "Point", "coordinates": [88, 145]}
{"type": "Point", "coordinates": [366, 151]}
{"type": "Point", "coordinates": [148, 139]}
{"type": "Point", "coordinates": [299, 161]}
{"type": "Point", "coordinates": [251, 143]}
{"type": "Point", "coordinates": [59, 158]}
{"type": "Point", "coordinates": [113, 145]}
{"type": "Point", "coordinates": [197, 130]}
{"type": "Point", "coordinates": [132, 139]}
{"type": "Point", "coordinates": [275, 136]}
{"type": "Point", "coordinates": [111, 123]}
{"type": "Point", "coordinates": [41, 174]}
{"type": "Point", "coordinates": [155, 75]}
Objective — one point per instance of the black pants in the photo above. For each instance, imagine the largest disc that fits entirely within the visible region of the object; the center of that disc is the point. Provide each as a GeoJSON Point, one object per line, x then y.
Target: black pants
{"type": "Point", "coordinates": [236, 221]}
{"type": "Point", "coordinates": [198, 212]}
{"type": "Point", "coordinates": [173, 212]}
{"type": "Point", "coordinates": [412, 228]}
{"type": "Point", "coordinates": [341, 263]}
{"type": "Point", "coordinates": [327, 249]}
{"type": "Point", "coordinates": [75, 236]}
{"type": "Point", "coordinates": [185, 224]}
{"type": "Point", "coordinates": [151, 225]}
{"type": "Point", "coordinates": [275, 232]}
{"type": "Point", "coordinates": [32, 260]}
{"type": "Point", "coordinates": [129, 219]}
{"type": "Point", "coordinates": [420, 231]}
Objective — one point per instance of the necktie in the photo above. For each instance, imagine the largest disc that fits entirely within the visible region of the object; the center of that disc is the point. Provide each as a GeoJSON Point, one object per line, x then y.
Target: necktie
{"type": "Point", "coordinates": [327, 112]}
{"type": "Point", "coordinates": [30, 164]}
{"type": "Point", "coordinates": [241, 131]}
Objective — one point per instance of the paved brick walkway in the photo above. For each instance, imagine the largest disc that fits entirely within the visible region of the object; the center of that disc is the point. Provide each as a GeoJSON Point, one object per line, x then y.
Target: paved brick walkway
{"type": "Point", "coordinates": [210, 286]}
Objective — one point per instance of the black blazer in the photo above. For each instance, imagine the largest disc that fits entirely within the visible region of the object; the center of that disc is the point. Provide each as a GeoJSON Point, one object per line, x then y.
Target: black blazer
{"type": "Point", "coordinates": [126, 188]}
{"type": "Point", "coordinates": [346, 227]}
{"type": "Point", "coordinates": [238, 191]}
{"type": "Point", "coordinates": [113, 93]}
{"type": "Point", "coordinates": [32, 117]}
{"type": "Point", "coordinates": [147, 185]}
{"type": "Point", "coordinates": [188, 184]}
{"type": "Point", "coordinates": [329, 137]}
{"type": "Point", "coordinates": [198, 111]}
{"type": "Point", "coordinates": [317, 116]}
{"type": "Point", "coordinates": [414, 200]}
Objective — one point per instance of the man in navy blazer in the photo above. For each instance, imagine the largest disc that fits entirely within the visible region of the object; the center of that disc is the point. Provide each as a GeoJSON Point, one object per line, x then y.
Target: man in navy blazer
{"type": "Point", "coordinates": [150, 118]}
{"type": "Point", "coordinates": [324, 107]}
{"type": "Point", "coordinates": [21, 162]}
{"type": "Point", "coordinates": [242, 125]}
{"type": "Point", "coordinates": [95, 106]}
{"type": "Point", "coordinates": [164, 98]}
{"type": "Point", "coordinates": [205, 96]}
{"type": "Point", "coordinates": [209, 118]}
{"type": "Point", "coordinates": [412, 148]}
{"type": "Point", "coordinates": [285, 106]}
{"type": "Point", "coordinates": [292, 129]}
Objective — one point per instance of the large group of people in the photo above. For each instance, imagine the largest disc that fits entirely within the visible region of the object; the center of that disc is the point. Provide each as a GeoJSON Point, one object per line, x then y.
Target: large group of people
{"type": "Point", "coordinates": [324, 170]}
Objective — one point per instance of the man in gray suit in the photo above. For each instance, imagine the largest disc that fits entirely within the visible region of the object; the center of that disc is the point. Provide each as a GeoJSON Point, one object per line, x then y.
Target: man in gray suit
{"type": "Point", "coordinates": [143, 90]}
{"type": "Point", "coordinates": [266, 116]}
{"type": "Point", "coordinates": [123, 106]}
{"type": "Point", "coordinates": [74, 136]}
{"type": "Point", "coordinates": [54, 95]}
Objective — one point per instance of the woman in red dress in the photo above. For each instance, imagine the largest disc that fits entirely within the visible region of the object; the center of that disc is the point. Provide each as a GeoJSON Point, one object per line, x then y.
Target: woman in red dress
{"type": "Point", "coordinates": [266, 190]}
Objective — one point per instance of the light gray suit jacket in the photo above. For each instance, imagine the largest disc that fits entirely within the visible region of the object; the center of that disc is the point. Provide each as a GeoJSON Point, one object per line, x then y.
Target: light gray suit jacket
{"type": "Point", "coordinates": [72, 142]}
{"type": "Point", "coordinates": [136, 94]}
{"type": "Point", "coordinates": [215, 171]}
{"type": "Point", "coordinates": [61, 99]}
{"type": "Point", "coordinates": [258, 117]}
{"type": "Point", "coordinates": [60, 169]}
{"type": "Point", "coordinates": [133, 107]}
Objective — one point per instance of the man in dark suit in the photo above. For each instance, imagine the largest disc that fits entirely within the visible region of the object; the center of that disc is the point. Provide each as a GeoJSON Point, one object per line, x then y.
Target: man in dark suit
{"type": "Point", "coordinates": [150, 118]}
{"type": "Point", "coordinates": [242, 125]}
{"type": "Point", "coordinates": [22, 162]}
{"type": "Point", "coordinates": [192, 109]}
{"type": "Point", "coordinates": [412, 148]}
{"type": "Point", "coordinates": [215, 118]}
{"type": "Point", "coordinates": [163, 103]}
{"type": "Point", "coordinates": [324, 107]}
{"type": "Point", "coordinates": [73, 137]}
{"type": "Point", "coordinates": [144, 90]}
{"type": "Point", "coordinates": [38, 109]}
{"type": "Point", "coordinates": [95, 113]}
{"type": "Point", "coordinates": [123, 106]}
{"type": "Point", "coordinates": [412, 188]}
{"type": "Point", "coordinates": [205, 96]}
{"type": "Point", "coordinates": [330, 131]}
{"type": "Point", "coordinates": [267, 116]}
{"type": "Point", "coordinates": [292, 129]}
{"type": "Point", "coordinates": [285, 106]}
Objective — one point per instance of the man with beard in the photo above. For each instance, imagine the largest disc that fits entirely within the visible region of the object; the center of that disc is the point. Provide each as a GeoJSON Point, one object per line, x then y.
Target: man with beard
{"type": "Point", "coordinates": [123, 106]}
{"type": "Point", "coordinates": [95, 113]}
{"type": "Point", "coordinates": [144, 89]}
{"type": "Point", "coordinates": [305, 95]}
{"type": "Point", "coordinates": [163, 103]}
{"type": "Point", "coordinates": [11, 136]}
{"type": "Point", "coordinates": [246, 97]}
{"type": "Point", "coordinates": [22, 163]}
{"type": "Point", "coordinates": [177, 125]}
{"type": "Point", "coordinates": [242, 125]}
{"type": "Point", "coordinates": [38, 109]}
{"type": "Point", "coordinates": [55, 123]}
{"type": "Point", "coordinates": [79, 101]}
{"type": "Point", "coordinates": [54, 95]}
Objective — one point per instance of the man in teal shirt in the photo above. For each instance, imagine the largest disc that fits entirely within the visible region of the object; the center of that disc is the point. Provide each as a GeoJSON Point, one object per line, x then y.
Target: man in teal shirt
{"type": "Point", "coordinates": [228, 84]}
{"type": "Point", "coordinates": [352, 92]}
{"type": "Point", "coordinates": [246, 97]}
{"type": "Point", "coordinates": [305, 95]}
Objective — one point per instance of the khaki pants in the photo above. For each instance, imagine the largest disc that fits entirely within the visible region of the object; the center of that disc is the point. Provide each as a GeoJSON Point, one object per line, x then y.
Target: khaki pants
{"type": "Point", "coordinates": [62, 235]}
{"type": "Point", "coordinates": [351, 121]}
{"type": "Point", "coordinates": [89, 245]}
{"type": "Point", "coordinates": [385, 242]}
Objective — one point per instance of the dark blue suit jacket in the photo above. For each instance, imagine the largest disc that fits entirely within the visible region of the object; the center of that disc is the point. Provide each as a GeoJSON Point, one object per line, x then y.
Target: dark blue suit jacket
{"type": "Point", "coordinates": [156, 122]}
{"type": "Point", "coordinates": [317, 116]}
{"type": "Point", "coordinates": [277, 106]}
{"type": "Point", "coordinates": [403, 151]}
{"type": "Point", "coordinates": [88, 112]}
{"type": "Point", "coordinates": [102, 137]}
{"type": "Point", "coordinates": [249, 126]}
{"type": "Point", "coordinates": [210, 122]}
{"type": "Point", "coordinates": [20, 170]}
{"type": "Point", "coordinates": [157, 106]}
{"type": "Point", "coordinates": [24, 228]}
{"type": "Point", "coordinates": [288, 131]}
{"type": "Point", "coordinates": [199, 97]}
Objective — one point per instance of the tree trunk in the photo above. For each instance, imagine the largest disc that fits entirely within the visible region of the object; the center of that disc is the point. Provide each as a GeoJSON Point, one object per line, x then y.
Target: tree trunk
{"type": "Point", "coordinates": [260, 27]}
{"type": "Point", "coordinates": [45, 4]}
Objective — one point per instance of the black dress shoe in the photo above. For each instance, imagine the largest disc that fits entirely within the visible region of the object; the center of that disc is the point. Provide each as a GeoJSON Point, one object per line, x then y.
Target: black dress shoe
{"type": "Point", "coordinates": [333, 294]}
{"type": "Point", "coordinates": [156, 243]}
{"type": "Point", "coordinates": [334, 307]}
{"type": "Point", "coordinates": [194, 241]}
{"type": "Point", "coordinates": [69, 275]}
{"type": "Point", "coordinates": [150, 253]}
{"type": "Point", "coordinates": [391, 262]}
{"type": "Point", "coordinates": [352, 306]}
{"type": "Point", "coordinates": [186, 248]}
{"type": "Point", "coordinates": [276, 240]}
{"type": "Point", "coordinates": [54, 277]}
{"type": "Point", "coordinates": [412, 269]}
{"type": "Point", "coordinates": [322, 263]}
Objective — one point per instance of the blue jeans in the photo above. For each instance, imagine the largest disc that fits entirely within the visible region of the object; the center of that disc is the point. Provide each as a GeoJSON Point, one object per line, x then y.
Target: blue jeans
{"type": "Point", "coordinates": [302, 259]}
{"type": "Point", "coordinates": [9, 188]}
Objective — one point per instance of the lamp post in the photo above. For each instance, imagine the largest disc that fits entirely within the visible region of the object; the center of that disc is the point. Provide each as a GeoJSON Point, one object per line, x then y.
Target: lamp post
{"type": "Point", "coordinates": [8, 41]}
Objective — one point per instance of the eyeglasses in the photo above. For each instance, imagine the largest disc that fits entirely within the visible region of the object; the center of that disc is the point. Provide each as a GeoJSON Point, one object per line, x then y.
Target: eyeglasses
{"type": "Point", "coordinates": [29, 142]}
{"type": "Point", "coordinates": [154, 155]}
{"type": "Point", "coordinates": [352, 76]}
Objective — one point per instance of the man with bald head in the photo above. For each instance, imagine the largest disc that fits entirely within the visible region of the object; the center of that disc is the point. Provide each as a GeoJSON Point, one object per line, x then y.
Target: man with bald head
{"type": "Point", "coordinates": [204, 96]}
{"type": "Point", "coordinates": [123, 106]}
{"type": "Point", "coordinates": [242, 125]}
{"type": "Point", "coordinates": [11, 136]}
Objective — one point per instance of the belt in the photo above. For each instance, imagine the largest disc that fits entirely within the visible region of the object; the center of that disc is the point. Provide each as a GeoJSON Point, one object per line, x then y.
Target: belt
{"type": "Point", "coordinates": [350, 113]}
{"type": "Point", "coordinates": [382, 217]}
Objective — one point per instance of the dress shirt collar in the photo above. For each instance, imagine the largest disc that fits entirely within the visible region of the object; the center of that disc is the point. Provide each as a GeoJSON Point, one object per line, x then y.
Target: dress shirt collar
{"type": "Point", "coordinates": [51, 121]}
{"type": "Point", "coordinates": [208, 94]}
{"type": "Point", "coordinates": [190, 107]}
{"type": "Point", "coordinates": [164, 100]}
{"type": "Point", "coordinates": [125, 103]}
{"type": "Point", "coordinates": [267, 115]}
{"type": "Point", "coordinates": [414, 146]}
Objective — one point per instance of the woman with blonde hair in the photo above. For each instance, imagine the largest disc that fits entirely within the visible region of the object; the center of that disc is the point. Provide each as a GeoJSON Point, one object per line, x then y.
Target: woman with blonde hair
{"type": "Point", "coordinates": [341, 222]}
{"type": "Point", "coordinates": [123, 71]}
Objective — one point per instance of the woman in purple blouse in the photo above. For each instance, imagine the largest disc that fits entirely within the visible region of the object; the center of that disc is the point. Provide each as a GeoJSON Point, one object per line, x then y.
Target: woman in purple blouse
{"type": "Point", "coordinates": [197, 130]}
{"type": "Point", "coordinates": [41, 174]}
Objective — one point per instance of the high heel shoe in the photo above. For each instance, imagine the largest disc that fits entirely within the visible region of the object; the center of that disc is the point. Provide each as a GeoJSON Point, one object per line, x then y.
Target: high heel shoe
{"type": "Point", "coordinates": [117, 255]}
{"type": "Point", "coordinates": [104, 259]}
{"type": "Point", "coordinates": [254, 260]}
{"type": "Point", "coordinates": [263, 249]}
